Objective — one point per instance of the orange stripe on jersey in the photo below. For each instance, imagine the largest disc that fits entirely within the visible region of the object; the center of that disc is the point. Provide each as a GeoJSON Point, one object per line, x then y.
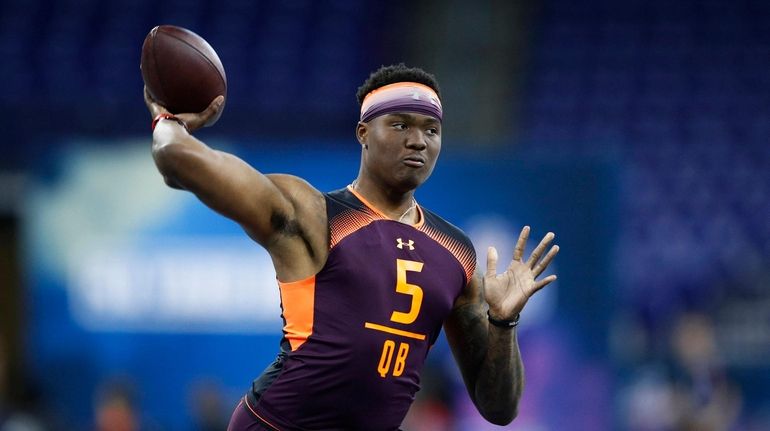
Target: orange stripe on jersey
{"type": "Point", "coordinates": [298, 301]}
{"type": "Point", "coordinates": [246, 401]}
{"type": "Point", "coordinates": [389, 330]}
{"type": "Point", "coordinates": [374, 209]}
{"type": "Point", "coordinates": [366, 202]}
{"type": "Point", "coordinates": [461, 252]}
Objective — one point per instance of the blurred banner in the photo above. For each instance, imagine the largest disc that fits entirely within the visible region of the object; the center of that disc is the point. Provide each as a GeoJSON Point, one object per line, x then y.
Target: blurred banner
{"type": "Point", "coordinates": [133, 255]}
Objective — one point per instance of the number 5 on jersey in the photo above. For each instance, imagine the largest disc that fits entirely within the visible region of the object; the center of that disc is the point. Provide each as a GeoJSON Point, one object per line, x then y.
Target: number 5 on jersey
{"type": "Point", "coordinates": [389, 348]}
{"type": "Point", "coordinates": [402, 266]}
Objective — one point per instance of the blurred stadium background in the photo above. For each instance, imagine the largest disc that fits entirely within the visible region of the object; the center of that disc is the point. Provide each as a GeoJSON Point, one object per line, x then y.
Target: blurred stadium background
{"type": "Point", "coordinates": [636, 130]}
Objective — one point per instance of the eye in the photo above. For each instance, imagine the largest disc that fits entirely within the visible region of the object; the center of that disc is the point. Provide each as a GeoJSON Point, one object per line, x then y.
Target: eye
{"type": "Point", "coordinates": [432, 131]}
{"type": "Point", "coordinates": [399, 126]}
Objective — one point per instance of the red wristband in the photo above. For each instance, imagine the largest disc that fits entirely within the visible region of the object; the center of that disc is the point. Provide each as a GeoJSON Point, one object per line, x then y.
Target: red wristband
{"type": "Point", "coordinates": [167, 116]}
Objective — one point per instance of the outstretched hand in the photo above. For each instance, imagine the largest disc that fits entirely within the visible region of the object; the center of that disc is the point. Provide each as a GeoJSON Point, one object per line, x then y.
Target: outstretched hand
{"type": "Point", "coordinates": [194, 121]}
{"type": "Point", "coordinates": [507, 293]}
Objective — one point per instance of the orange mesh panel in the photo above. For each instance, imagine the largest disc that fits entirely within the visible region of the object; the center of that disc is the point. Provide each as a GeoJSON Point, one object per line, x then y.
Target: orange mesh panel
{"type": "Point", "coordinates": [298, 301]}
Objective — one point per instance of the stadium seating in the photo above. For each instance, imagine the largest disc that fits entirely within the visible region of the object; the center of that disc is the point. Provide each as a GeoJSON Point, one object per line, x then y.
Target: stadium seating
{"type": "Point", "coordinates": [678, 92]}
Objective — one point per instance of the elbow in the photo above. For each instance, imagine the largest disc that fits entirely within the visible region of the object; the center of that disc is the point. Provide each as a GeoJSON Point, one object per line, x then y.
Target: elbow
{"type": "Point", "coordinates": [501, 418]}
{"type": "Point", "coordinates": [170, 182]}
{"type": "Point", "coordinates": [501, 414]}
{"type": "Point", "coordinates": [170, 160]}
{"type": "Point", "coordinates": [166, 158]}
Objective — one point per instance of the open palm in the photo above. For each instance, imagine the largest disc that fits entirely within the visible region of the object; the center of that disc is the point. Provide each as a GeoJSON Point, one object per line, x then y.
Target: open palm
{"type": "Point", "coordinates": [508, 292]}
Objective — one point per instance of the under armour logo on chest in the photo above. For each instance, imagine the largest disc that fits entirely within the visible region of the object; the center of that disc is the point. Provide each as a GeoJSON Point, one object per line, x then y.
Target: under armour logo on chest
{"type": "Point", "coordinates": [400, 244]}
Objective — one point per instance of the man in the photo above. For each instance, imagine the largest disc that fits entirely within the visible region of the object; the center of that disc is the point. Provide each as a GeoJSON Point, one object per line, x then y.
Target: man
{"type": "Point", "coordinates": [367, 276]}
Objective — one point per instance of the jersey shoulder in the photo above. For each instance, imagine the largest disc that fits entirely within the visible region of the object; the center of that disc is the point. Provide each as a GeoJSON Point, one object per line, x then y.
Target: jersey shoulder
{"type": "Point", "coordinates": [442, 225]}
{"type": "Point", "coordinates": [452, 238]}
{"type": "Point", "coordinates": [345, 215]}
{"type": "Point", "coordinates": [342, 200]}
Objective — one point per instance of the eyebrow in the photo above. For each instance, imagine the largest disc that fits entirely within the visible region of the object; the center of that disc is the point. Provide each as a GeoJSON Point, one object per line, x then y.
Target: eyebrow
{"type": "Point", "coordinates": [410, 117]}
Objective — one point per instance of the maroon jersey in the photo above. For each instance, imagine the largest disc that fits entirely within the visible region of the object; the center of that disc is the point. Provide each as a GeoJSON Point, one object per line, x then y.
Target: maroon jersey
{"type": "Point", "coordinates": [357, 333]}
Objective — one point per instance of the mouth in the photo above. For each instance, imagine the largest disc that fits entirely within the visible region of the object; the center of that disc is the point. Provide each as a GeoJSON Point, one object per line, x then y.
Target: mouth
{"type": "Point", "coordinates": [414, 161]}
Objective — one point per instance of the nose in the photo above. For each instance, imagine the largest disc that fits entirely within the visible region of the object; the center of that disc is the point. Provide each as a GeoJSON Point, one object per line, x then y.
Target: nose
{"type": "Point", "coordinates": [415, 140]}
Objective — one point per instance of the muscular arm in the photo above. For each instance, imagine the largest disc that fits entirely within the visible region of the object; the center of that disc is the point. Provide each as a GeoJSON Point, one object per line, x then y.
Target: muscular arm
{"type": "Point", "coordinates": [488, 357]}
{"type": "Point", "coordinates": [281, 212]}
{"type": "Point", "coordinates": [220, 180]}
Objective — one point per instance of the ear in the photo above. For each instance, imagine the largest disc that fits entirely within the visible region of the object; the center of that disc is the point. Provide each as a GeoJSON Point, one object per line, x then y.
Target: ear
{"type": "Point", "coordinates": [362, 132]}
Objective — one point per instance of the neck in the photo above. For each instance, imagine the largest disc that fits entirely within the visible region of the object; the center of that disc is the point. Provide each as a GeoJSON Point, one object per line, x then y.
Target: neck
{"type": "Point", "coordinates": [396, 205]}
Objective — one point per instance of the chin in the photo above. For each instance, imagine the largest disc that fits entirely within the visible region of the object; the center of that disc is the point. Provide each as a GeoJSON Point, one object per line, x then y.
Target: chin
{"type": "Point", "coordinates": [411, 182]}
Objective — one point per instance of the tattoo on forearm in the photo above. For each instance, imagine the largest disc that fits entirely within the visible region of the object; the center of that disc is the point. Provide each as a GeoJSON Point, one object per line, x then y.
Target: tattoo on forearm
{"type": "Point", "coordinates": [488, 357]}
{"type": "Point", "coordinates": [501, 379]}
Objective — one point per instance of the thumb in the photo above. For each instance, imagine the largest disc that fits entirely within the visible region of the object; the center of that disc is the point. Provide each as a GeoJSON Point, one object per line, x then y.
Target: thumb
{"type": "Point", "coordinates": [491, 262]}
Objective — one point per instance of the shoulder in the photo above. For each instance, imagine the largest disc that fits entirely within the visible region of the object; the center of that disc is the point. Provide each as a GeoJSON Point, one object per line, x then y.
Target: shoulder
{"type": "Point", "coordinates": [294, 187]}
{"type": "Point", "coordinates": [452, 238]}
{"type": "Point", "coordinates": [306, 216]}
{"type": "Point", "coordinates": [344, 198]}
{"type": "Point", "coordinates": [437, 223]}
{"type": "Point", "coordinates": [305, 200]}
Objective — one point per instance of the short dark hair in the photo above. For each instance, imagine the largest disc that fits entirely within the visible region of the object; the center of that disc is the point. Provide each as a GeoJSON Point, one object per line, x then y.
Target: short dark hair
{"type": "Point", "coordinates": [396, 73]}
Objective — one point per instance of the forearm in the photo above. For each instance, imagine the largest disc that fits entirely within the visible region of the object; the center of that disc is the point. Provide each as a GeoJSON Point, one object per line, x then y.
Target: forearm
{"type": "Point", "coordinates": [500, 381]}
{"type": "Point", "coordinates": [489, 360]}
{"type": "Point", "coordinates": [175, 152]}
{"type": "Point", "coordinates": [223, 182]}
{"type": "Point", "coordinates": [227, 184]}
{"type": "Point", "coordinates": [488, 355]}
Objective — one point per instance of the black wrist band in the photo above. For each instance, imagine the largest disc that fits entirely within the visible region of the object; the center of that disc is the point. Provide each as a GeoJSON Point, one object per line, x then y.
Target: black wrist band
{"type": "Point", "coordinates": [504, 323]}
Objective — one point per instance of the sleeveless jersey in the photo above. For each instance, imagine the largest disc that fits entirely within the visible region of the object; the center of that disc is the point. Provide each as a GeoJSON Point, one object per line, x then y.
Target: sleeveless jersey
{"type": "Point", "coordinates": [357, 333]}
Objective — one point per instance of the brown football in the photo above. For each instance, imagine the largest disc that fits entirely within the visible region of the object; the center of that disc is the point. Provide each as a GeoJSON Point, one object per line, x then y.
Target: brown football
{"type": "Point", "coordinates": [181, 70]}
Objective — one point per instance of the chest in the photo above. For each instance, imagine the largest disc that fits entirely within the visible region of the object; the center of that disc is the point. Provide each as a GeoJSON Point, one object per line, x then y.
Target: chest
{"type": "Point", "coordinates": [395, 274]}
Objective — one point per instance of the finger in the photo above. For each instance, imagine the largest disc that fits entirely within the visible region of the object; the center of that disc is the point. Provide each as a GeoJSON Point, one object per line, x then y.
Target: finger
{"type": "Point", "coordinates": [149, 102]}
{"type": "Point", "coordinates": [542, 283]}
{"type": "Point", "coordinates": [152, 105]}
{"type": "Point", "coordinates": [491, 262]}
{"type": "Point", "coordinates": [518, 252]}
{"type": "Point", "coordinates": [540, 249]}
{"type": "Point", "coordinates": [205, 117]}
{"type": "Point", "coordinates": [214, 106]}
{"type": "Point", "coordinates": [546, 261]}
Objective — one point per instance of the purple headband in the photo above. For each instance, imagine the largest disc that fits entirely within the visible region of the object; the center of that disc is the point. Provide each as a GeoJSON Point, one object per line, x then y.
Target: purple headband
{"type": "Point", "coordinates": [401, 97]}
